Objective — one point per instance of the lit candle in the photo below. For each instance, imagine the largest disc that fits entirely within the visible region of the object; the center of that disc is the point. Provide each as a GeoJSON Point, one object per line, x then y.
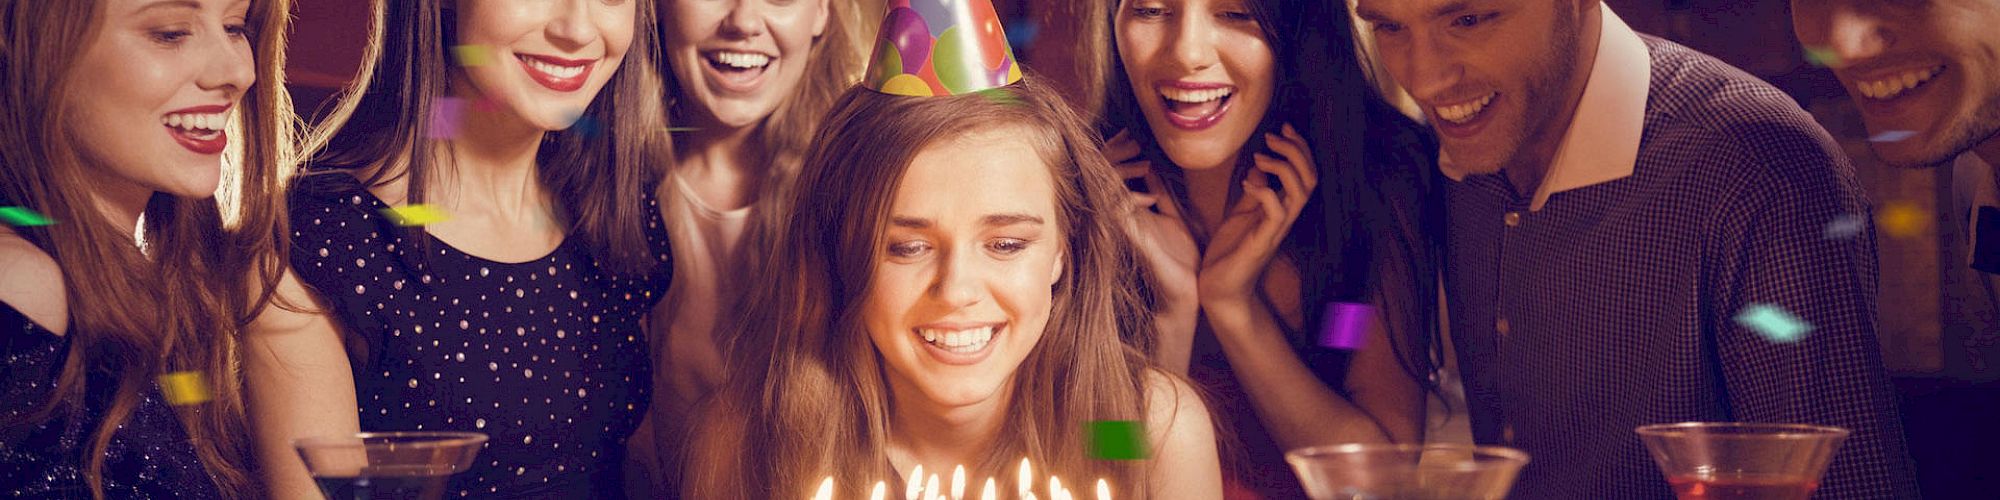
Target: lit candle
{"type": "Point", "coordinates": [915, 485]}
{"type": "Point", "coordinates": [931, 487]}
{"type": "Point", "coordinates": [958, 483]}
{"type": "Point", "coordinates": [990, 492]}
{"type": "Point", "coordinates": [1103, 489]}
{"type": "Point", "coordinates": [1027, 479]}
{"type": "Point", "coordinates": [881, 491]}
{"type": "Point", "coordinates": [1055, 488]}
{"type": "Point", "coordinates": [825, 489]}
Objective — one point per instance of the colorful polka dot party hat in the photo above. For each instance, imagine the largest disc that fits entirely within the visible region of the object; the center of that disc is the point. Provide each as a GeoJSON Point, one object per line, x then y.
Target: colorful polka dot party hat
{"type": "Point", "coordinates": [941, 47]}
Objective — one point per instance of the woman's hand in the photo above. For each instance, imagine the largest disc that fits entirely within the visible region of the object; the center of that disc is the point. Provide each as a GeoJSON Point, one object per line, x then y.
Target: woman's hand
{"type": "Point", "coordinates": [1155, 226]}
{"type": "Point", "coordinates": [1250, 233]}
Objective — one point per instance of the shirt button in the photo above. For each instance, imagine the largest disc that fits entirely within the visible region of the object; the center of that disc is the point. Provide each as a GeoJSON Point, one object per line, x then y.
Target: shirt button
{"type": "Point", "coordinates": [1500, 325]}
{"type": "Point", "coordinates": [1513, 219]}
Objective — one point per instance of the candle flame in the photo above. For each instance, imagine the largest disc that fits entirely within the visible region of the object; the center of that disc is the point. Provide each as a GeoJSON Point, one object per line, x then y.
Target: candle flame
{"type": "Point", "coordinates": [990, 492]}
{"type": "Point", "coordinates": [881, 491]}
{"type": "Point", "coordinates": [1055, 488]}
{"type": "Point", "coordinates": [1103, 489]}
{"type": "Point", "coordinates": [1027, 478]}
{"type": "Point", "coordinates": [915, 485]}
{"type": "Point", "coordinates": [958, 482]}
{"type": "Point", "coordinates": [825, 489]}
{"type": "Point", "coordinates": [931, 488]}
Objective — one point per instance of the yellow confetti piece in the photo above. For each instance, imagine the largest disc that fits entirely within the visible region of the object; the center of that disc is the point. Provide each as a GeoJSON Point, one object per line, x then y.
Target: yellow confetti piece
{"type": "Point", "coordinates": [415, 215]}
{"type": "Point", "coordinates": [1903, 220]}
{"type": "Point", "coordinates": [184, 388]}
{"type": "Point", "coordinates": [473, 55]}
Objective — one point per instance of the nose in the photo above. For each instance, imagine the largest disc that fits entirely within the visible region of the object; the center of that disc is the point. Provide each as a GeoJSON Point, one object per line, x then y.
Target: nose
{"type": "Point", "coordinates": [1855, 35]}
{"type": "Point", "coordinates": [230, 68]}
{"type": "Point", "coordinates": [1429, 68]}
{"type": "Point", "coordinates": [746, 20]}
{"type": "Point", "coordinates": [572, 24]}
{"type": "Point", "coordinates": [1193, 44]}
{"type": "Point", "coordinates": [957, 284]}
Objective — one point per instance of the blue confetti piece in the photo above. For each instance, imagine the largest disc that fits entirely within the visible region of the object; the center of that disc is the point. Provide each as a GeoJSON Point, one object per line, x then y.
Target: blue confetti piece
{"type": "Point", "coordinates": [1345, 325]}
{"type": "Point", "coordinates": [1774, 323]}
{"type": "Point", "coordinates": [1846, 226]}
{"type": "Point", "coordinates": [1892, 136]}
{"type": "Point", "coordinates": [1022, 33]}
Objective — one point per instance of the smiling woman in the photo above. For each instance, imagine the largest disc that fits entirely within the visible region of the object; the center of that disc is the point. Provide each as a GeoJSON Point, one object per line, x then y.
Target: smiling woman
{"type": "Point", "coordinates": [519, 314]}
{"type": "Point", "coordinates": [119, 115]}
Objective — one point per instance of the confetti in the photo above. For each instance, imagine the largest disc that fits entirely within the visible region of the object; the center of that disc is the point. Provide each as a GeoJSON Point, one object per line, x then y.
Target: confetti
{"type": "Point", "coordinates": [1892, 136]}
{"type": "Point", "coordinates": [1773, 323]}
{"type": "Point", "coordinates": [1903, 220]}
{"type": "Point", "coordinates": [184, 388]}
{"type": "Point", "coordinates": [1846, 226]}
{"type": "Point", "coordinates": [1023, 33]}
{"type": "Point", "coordinates": [473, 55]}
{"type": "Point", "coordinates": [1345, 325]}
{"type": "Point", "coordinates": [584, 126]}
{"type": "Point", "coordinates": [1116, 440]}
{"type": "Point", "coordinates": [23, 217]}
{"type": "Point", "coordinates": [1824, 57]}
{"type": "Point", "coordinates": [415, 215]}
{"type": "Point", "coordinates": [445, 118]}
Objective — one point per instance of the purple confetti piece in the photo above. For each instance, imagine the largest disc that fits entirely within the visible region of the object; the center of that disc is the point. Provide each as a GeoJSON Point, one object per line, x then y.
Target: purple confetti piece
{"type": "Point", "coordinates": [1846, 226]}
{"type": "Point", "coordinates": [1345, 325]}
{"type": "Point", "coordinates": [445, 115]}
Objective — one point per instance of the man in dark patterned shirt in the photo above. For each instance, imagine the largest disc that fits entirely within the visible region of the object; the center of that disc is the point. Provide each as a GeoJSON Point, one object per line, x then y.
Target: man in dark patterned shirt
{"type": "Point", "coordinates": [1637, 234]}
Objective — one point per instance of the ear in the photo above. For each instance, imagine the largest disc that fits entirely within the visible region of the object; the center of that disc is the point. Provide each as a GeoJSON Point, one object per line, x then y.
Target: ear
{"type": "Point", "coordinates": [825, 16]}
{"type": "Point", "coordinates": [1056, 271]}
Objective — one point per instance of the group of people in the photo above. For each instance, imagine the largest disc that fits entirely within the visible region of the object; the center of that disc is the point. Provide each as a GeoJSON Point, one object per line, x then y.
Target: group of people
{"type": "Point", "coordinates": [727, 248]}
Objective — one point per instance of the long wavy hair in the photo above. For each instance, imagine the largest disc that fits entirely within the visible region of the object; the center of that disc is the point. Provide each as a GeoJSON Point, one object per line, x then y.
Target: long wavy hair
{"type": "Point", "coordinates": [1368, 222]}
{"type": "Point", "coordinates": [593, 172]}
{"type": "Point", "coordinates": [180, 298]}
{"type": "Point", "coordinates": [808, 385]}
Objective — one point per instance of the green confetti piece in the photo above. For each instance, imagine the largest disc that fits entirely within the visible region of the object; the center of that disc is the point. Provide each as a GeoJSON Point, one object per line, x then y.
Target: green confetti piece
{"type": "Point", "coordinates": [1774, 323]}
{"type": "Point", "coordinates": [1116, 440]}
{"type": "Point", "coordinates": [23, 217]}
{"type": "Point", "coordinates": [1824, 57]}
{"type": "Point", "coordinates": [415, 215]}
{"type": "Point", "coordinates": [473, 55]}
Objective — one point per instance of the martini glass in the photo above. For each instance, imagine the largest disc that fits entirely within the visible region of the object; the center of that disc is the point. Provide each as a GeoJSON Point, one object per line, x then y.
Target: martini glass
{"type": "Point", "coordinates": [1742, 461]}
{"type": "Point", "coordinates": [1407, 471]}
{"type": "Point", "coordinates": [388, 465]}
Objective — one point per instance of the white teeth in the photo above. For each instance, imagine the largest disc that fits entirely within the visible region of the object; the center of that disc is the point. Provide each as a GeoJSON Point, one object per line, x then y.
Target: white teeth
{"type": "Point", "coordinates": [1462, 113]}
{"type": "Point", "coordinates": [740, 60]}
{"type": "Point", "coordinates": [1896, 85]}
{"type": "Point", "coordinates": [1195, 96]}
{"type": "Point", "coordinates": [554, 70]}
{"type": "Point", "coordinates": [959, 341]}
{"type": "Point", "coordinates": [196, 122]}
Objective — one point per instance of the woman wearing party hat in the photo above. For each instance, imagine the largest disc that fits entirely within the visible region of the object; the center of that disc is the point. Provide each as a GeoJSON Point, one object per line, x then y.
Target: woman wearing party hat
{"type": "Point", "coordinates": [956, 295]}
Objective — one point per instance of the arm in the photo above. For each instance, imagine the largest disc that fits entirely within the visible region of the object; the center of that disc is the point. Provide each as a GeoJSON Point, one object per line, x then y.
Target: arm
{"type": "Point", "coordinates": [1185, 463]}
{"type": "Point", "coordinates": [1295, 406]}
{"type": "Point", "coordinates": [298, 384]}
{"type": "Point", "coordinates": [1771, 250]}
{"type": "Point", "coordinates": [1153, 223]}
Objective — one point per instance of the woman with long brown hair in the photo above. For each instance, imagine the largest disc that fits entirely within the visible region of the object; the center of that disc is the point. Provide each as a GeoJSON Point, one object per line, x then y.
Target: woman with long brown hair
{"type": "Point", "coordinates": [1287, 224]}
{"type": "Point", "coordinates": [139, 238]}
{"type": "Point", "coordinates": [518, 315]}
{"type": "Point", "coordinates": [957, 293]}
{"type": "Point", "coordinates": [750, 80]}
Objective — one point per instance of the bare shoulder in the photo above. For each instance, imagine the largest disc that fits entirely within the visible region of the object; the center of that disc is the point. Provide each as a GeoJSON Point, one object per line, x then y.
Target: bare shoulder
{"type": "Point", "coordinates": [1171, 401]}
{"type": "Point", "coordinates": [32, 283]}
{"type": "Point", "coordinates": [1185, 460]}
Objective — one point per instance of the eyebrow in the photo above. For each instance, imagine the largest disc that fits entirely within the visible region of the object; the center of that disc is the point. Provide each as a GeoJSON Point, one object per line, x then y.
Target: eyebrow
{"type": "Point", "coordinates": [188, 4]}
{"type": "Point", "coordinates": [989, 220]}
{"type": "Point", "coordinates": [1449, 9]}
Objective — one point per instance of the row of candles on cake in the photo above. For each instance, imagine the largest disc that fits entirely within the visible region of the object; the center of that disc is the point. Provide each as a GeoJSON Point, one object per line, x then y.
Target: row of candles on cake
{"type": "Point", "coordinates": [922, 488]}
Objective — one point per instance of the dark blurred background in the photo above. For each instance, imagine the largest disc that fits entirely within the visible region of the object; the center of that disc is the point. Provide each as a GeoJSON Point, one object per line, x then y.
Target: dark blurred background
{"type": "Point", "coordinates": [1953, 423]}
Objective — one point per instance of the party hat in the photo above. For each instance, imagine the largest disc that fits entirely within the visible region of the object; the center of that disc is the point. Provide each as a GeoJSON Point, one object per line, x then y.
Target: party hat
{"type": "Point", "coordinates": [941, 47]}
